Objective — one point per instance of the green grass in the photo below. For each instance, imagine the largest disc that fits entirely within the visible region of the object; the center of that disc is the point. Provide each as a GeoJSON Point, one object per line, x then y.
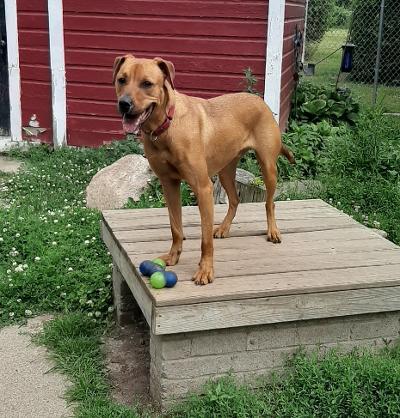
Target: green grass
{"type": "Point", "coordinates": [75, 344]}
{"type": "Point", "coordinates": [51, 255]}
{"type": "Point", "coordinates": [326, 73]}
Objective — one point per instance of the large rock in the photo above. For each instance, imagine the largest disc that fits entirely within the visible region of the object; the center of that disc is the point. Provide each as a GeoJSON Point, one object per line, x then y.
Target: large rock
{"type": "Point", "coordinates": [112, 186]}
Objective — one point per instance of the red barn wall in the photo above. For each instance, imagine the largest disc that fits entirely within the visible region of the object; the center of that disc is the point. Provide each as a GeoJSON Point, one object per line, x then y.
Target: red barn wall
{"type": "Point", "coordinates": [34, 60]}
{"type": "Point", "coordinates": [294, 15]}
{"type": "Point", "coordinates": [210, 43]}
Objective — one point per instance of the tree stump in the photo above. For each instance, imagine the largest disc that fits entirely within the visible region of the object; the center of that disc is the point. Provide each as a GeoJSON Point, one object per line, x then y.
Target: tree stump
{"type": "Point", "coordinates": [247, 190]}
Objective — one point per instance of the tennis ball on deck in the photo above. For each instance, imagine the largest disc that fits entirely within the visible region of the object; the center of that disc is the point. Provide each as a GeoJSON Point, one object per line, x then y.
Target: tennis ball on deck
{"type": "Point", "coordinates": [171, 278]}
{"type": "Point", "coordinates": [157, 280]}
{"type": "Point", "coordinates": [160, 262]}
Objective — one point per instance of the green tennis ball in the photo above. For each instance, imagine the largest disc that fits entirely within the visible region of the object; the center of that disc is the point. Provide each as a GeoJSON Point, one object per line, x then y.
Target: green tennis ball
{"type": "Point", "coordinates": [157, 280]}
{"type": "Point", "coordinates": [160, 262]}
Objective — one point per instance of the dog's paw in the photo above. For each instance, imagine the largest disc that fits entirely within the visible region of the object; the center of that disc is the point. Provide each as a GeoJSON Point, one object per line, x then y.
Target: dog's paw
{"type": "Point", "coordinates": [204, 275]}
{"type": "Point", "coordinates": [221, 231]}
{"type": "Point", "coordinates": [274, 236]}
{"type": "Point", "coordinates": [171, 258]}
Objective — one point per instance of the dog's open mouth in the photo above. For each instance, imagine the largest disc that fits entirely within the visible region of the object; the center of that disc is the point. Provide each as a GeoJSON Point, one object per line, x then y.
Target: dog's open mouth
{"type": "Point", "coordinates": [133, 123]}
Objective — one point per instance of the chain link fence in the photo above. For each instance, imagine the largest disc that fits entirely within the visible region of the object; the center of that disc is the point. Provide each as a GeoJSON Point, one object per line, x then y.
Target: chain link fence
{"type": "Point", "coordinates": [373, 26]}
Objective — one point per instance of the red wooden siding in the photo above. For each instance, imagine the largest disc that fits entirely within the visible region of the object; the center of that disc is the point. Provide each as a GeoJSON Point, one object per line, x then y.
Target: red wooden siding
{"type": "Point", "coordinates": [210, 42]}
{"type": "Point", "coordinates": [294, 15]}
{"type": "Point", "coordinates": [34, 64]}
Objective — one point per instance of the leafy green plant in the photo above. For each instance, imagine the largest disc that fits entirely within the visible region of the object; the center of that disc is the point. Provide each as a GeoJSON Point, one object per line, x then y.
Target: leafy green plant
{"type": "Point", "coordinates": [250, 81]}
{"type": "Point", "coordinates": [307, 141]}
{"type": "Point", "coordinates": [315, 103]}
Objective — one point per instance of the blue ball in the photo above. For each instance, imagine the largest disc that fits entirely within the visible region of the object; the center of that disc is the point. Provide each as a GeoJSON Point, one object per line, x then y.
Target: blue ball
{"type": "Point", "coordinates": [171, 278]}
{"type": "Point", "coordinates": [147, 268]}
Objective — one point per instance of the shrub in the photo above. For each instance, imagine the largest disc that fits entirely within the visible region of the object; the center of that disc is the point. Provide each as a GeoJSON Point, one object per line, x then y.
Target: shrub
{"type": "Point", "coordinates": [364, 34]}
{"type": "Point", "coordinates": [318, 19]}
{"type": "Point", "coordinates": [315, 103]}
{"type": "Point", "coordinates": [341, 17]}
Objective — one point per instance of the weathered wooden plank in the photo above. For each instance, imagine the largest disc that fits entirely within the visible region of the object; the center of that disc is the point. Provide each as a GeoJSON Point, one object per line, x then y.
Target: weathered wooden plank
{"type": "Point", "coordinates": [280, 205]}
{"type": "Point", "coordinates": [241, 217]}
{"type": "Point", "coordinates": [237, 313]}
{"type": "Point", "coordinates": [325, 239]}
{"type": "Point", "coordinates": [240, 230]}
{"type": "Point", "coordinates": [249, 266]}
{"type": "Point", "coordinates": [280, 284]}
{"type": "Point", "coordinates": [262, 250]}
{"type": "Point", "coordinates": [140, 292]}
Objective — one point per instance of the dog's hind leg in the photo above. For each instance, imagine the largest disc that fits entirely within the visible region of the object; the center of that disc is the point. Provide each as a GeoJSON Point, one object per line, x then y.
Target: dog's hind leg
{"type": "Point", "coordinates": [270, 174]}
{"type": "Point", "coordinates": [227, 177]}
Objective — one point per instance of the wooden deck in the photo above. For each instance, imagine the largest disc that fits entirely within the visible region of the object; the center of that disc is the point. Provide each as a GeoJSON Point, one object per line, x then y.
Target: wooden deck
{"type": "Point", "coordinates": [327, 266]}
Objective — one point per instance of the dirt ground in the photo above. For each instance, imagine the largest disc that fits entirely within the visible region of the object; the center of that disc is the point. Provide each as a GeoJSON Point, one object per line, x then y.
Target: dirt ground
{"type": "Point", "coordinates": [128, 363]}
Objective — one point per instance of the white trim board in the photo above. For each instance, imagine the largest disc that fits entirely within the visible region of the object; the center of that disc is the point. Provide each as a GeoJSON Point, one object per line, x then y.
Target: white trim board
{"type": "Point", "coordinates": [14, 78]}
{"type": "Point", "coordinates": [273, 65]}
{"type": "Point", "coordinates": [57, 65]}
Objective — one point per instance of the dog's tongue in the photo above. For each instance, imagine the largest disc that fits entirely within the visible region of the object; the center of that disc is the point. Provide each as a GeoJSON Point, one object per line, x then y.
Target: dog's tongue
{"type": "Point", "coordinates": [131, 125]}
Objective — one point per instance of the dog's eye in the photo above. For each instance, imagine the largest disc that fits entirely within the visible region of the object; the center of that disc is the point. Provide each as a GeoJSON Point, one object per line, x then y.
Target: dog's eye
{"type": "Point", "coordinates": [122, 80]}
{"type": "Point", "coordinates": [146, 84]}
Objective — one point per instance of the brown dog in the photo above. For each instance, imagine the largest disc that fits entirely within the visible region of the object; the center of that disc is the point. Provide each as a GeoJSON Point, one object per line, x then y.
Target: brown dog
{"type": "Point", "coordinates": [191, 139]}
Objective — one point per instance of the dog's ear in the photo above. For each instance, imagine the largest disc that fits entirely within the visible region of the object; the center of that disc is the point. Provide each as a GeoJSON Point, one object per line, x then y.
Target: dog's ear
{"type": "Point", "coordinates": [168, 69]}
{"type": "Point", "coordinates": [117, 64]}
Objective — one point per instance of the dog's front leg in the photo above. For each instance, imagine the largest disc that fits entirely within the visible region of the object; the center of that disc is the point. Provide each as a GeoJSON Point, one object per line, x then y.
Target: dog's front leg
{"type": "Point", "coordinates": [172, 195]}
{"type": "Point", "coordinates": [204, 192]}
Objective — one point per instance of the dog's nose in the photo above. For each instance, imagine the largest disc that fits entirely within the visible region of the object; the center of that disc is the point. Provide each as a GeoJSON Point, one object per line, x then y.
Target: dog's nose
{"type": "Point", "coordinates": [125, 104]}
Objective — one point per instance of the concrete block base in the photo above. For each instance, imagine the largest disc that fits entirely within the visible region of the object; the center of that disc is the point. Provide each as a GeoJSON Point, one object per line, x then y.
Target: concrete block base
{"type": "Point", "coordinates": [184, 362]}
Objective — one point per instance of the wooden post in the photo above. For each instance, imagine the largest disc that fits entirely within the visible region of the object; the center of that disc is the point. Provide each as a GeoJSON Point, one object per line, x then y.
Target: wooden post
{"type": "Point", "coordinates": [125, 306]}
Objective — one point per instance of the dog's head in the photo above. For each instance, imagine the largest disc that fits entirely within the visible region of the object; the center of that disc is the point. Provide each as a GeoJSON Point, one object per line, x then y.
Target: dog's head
{"type": "Point", "coordinates": [141, 85]}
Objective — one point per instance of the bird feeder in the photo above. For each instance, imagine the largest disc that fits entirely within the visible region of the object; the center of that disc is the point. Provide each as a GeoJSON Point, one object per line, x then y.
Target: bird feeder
{"type": "Point", "coordinates": [347, 58]}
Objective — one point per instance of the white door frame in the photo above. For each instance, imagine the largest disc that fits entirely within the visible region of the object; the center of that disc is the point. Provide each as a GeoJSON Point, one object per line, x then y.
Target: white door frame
{"type": "Point", "coordinates": [57, 65]}
{"type": "Point", "coordinates": [14, 79]}
{"type": "Point", "coordinates": [273, 63]}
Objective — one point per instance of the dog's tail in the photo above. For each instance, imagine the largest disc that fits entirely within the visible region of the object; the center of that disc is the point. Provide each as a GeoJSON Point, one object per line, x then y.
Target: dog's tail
{"type": "Point", "coordinates": [285, 151]}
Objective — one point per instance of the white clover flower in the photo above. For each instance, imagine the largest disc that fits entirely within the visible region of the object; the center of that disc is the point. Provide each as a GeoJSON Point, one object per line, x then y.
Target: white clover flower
{"type": "Point", "coordinates": [55, 221]}
{"type": "Point", "coordinates": [90, 314]}
{"type": "Point", "coordinates": [87, 242]}
{"type": "Point", "coordinates": [14, 263]}
{"type": "Point", "coordinates": [19, 268]}
{"type": "Point", "coordinates": [19, 300]}
{"type": "Point", "coordinates": [110, 309]}
{"type": "Point", "coordinates": [25, 266]}
{"type": "Point", "coordinates": [54, 243]}
{"type": "Point", "coordinates": [70, 269]}
{"type": "Point", "coordinates": [63, 294]}
{"type": "Point", "coordinates": [1, 239]}
{"type": "Point", "coordinates": [90, 302]}
{"type": "Point", "coordinates": [11, 284]}
{"type": "Point", "coordinates": [8, 271]}
{"type": "Point", "coordinates": [37, 258]}
{"type": "Point", "coordinates": [11, 314]}
{"type": "Point", "coordinates": [97, 314]}
{"type": "Point", "coordinates": [28, 312]}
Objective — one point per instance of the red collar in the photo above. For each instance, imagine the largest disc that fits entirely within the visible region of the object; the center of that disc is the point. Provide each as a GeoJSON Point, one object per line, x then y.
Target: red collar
{"type": "Point", "coordinates": [164, 126]}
